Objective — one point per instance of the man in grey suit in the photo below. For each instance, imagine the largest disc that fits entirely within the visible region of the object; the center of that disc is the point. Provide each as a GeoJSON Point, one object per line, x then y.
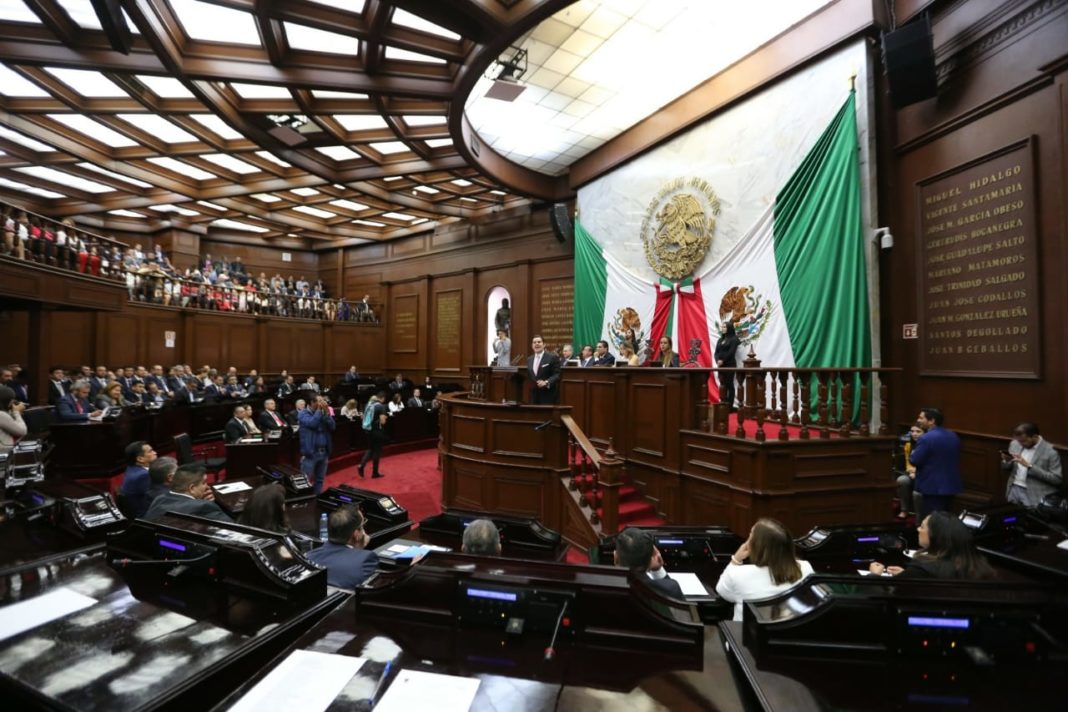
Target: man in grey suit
{"type": "Point", "coordinates": [190, 494]}
{"type": "Point", "coordinates": [1033, 465]}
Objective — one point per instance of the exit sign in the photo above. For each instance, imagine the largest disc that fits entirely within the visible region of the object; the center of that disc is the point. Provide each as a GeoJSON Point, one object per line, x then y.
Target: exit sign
{"type": "Point", "coordinates": [910, 331]}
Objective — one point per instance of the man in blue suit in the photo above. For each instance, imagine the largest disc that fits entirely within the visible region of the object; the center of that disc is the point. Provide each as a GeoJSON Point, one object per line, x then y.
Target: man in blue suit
{"type": "Point", "coordinates": [74, 407]}
{"type": "Point", "coordinates": [937, 460]}
{"type": "Point", "coordinates": [316, 426]}
{"type": "Point", "coordinates": [347, 561]}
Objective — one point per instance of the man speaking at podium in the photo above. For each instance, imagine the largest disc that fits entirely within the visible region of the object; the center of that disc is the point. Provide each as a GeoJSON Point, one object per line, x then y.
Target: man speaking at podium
{"type": "Point", "coordinates": [543, 370]}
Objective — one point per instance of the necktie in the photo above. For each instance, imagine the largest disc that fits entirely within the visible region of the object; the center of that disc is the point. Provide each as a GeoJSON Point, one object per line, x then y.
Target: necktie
{"type": "Point", "coordinates": [277, 420]}
{"type": "Point", "coordinates": [537, 364]}
{"type": "Point", "coordinates": [78, 405]}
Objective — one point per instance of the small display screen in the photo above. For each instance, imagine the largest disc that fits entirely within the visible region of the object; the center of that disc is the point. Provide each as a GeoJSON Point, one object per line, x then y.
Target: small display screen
{"type": "Point", "coordinates": [37, 499]}
{"type": "Point", "coordinates": [1009, 520]}
{"type": "Point", "coordinates": [495, 595]}
{"type": "Point", "coordinates": [344, 498]}
{"type": "Point", "coordinates": [669, 542]}
{"type": "Point", "coordinates": [386, 503]}
{"type": "Point", "coordinates": [932, 622]}
{"type": "Point", "coordinates": [172, 545]}
{"type": "Point", "coordinates": [972, 521]}
{"type": "Point", "coordinates": [867, 539]}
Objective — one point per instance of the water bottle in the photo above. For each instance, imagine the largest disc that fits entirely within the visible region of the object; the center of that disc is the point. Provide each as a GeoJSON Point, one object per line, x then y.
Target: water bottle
{"type": "Point", "coordinates": [323, 533]}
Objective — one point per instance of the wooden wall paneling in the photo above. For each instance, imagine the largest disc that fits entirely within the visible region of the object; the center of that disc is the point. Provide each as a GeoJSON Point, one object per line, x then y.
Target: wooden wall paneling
{"type": "Point", "coordinates": [71, 338]}
{"type": "Point", "coordinates": [468, 485]}
{"type": "Point", "coordinates": [648, 419]}
{"type": "Point", "coordinates": [449, 324]}
{"type": "Point", "coordinates": [155, 323]}
{"type": "Point", "coordinates": [209, 342]}
{"type": "Point", "coordinates": [120, 339]}
{"type": "Point", "coordinates": [307, 348]}
{"type": "Point", "coordinates": [14, 335]}
{"type": "Point", "coordinates": [407, 327]}
{"type": "Point", "coordinates": [601, 406]}
{"type": "Point", "coordinates": [522, 492]}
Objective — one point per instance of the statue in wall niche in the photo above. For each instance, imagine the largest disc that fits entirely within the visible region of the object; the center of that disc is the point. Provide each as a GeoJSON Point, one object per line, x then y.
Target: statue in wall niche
{"type": "Point", "coordinates": [502, 321]}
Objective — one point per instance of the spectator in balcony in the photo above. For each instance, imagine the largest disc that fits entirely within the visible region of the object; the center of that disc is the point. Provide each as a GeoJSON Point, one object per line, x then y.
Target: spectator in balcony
{"type": "Point", "coordinates": [397, 385]}
{"type": "Point", "coordinates": [364, 311]}
{"type": "Point", "coordinates": [502, 347]}
{"type": "Point", "coordinates": [7, 216]}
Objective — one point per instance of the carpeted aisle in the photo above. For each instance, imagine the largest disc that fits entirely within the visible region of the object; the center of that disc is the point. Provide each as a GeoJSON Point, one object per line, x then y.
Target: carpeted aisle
{"type": "Point", "coordinates": [412, 478]}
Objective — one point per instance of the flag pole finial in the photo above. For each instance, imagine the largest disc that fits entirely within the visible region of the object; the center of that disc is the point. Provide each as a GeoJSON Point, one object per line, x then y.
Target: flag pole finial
{"type": "Point", "coordinates": [853, 81]}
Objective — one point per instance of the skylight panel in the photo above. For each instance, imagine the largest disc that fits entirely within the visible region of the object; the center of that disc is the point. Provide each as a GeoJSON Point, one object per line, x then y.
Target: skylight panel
{"type": "Point", "coordinates": [498, 192]}
{"type": "Point", "coordinates": [87, 82]}
{"type": "Point", "coordinates": [173, 209]}
{"type": "Point", "coordinates": [213, 206]}
{"type": "Point", "coordinates": [317, 212]}
{"type": "Point", "coordinates": [123, 212]}
{"type": "Point", "coordinates": [349, 205]}
{"type": "Point", "coordinates": [165, 87]}
{"type": "Point", "coordinates": [313, 39]}
{"type": "Point", "coordinates": [81, 11]}
{"type": "Point", "coordinates": [419, 120]}
{"type": "Point", "coordinates": [330, 94]}
{"type": "Point", "coordinates": [388, 147]}
{"type": "Point", "coordinates": [407, 55]}
{"type": "Point", "coordinates": [354, 6]}
{"type": "Point", "coordinates": [390, 179]}
{"type": "Point", "coordinates": [44, 193]}
{"type": "Point", "coordinates": [438, 142]}
{"type": "Point", "coordinates": [306, 192]}
{"type": "Point", "coordinates": [360, 122]}
{"type": "Point", "coordinates": [338, 153]}
{"type": "Point", "coordinates": [65, 179]}
{"type": "Point", "coordinates": [214, 23]}
{"type": "Point", "coordinates": [230, 163]}
{"type": "Point", "coordinates": [266, 197]}
{"type": "Point", "coordinates": [463, 183]}
{"type": "Point", "coordinates": [419, 221]}
{"type": "Point", "coordinates": [16, 11]}
{"type": "Point", "coordinates": [369, 223]}
{"type": "Point", "coordinates": [93, 129]}
{"type": "Point", "coordinates": [158, 126]}
{"type": "Point", "coordinates": [216, 125]}
{"type": "Point", "coordinates": [260, 91]}
{"type": "Point", "coordinates": [398, 216]}
{"type": "Point", "coordinates": [237, 225]}
{"type": "Point", "coordinates": [427, 189]}
{"type": "Point", "coordinates": [468, 200]}
{"type": "Point", "coordinates": [16, 137]}
{"type": "Point", "coordinates": [182, 168]}
{"type": "Point", "coordinates": [267, 155]}
{"type": "Point", "coordinates": [116, 176]}
{"type": "Point", "coordinates": [407, 19]}
{"type": "Point", "coordinates": [14, 84]}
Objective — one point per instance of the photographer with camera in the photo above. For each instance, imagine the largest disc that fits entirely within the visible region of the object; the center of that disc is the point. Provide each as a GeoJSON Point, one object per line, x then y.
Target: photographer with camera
{"type": "Point", "coordinates": [12, 426]}
{"type": "Point", "coordinates": [316, 426]}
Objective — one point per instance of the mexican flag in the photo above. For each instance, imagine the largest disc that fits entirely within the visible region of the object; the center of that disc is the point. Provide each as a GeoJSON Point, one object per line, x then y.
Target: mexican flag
{"type": "Point", "coordinates": [795, 285]}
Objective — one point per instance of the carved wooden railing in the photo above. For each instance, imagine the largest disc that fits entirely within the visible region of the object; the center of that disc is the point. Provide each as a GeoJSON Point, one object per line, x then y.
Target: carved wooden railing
{"type": "Point", "coordinates": [596, 477]}
{"type": "Point", "coordinates": [810, 402]}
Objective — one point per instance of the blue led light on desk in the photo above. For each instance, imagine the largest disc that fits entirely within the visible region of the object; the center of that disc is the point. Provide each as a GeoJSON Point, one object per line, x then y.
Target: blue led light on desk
{"type": "Point", "coordinates": [37, 499]}
{"type": "Point", "coordinates": [930, 622]}
{"type": "Point", "coordinates": [171, 545]}
{"type": "Point", "coordinates": [1009, 520]}
{"type": "Point", "coordinates": [669, 541]}
{"type": "Point", "coordinates": [867, 539]}
{"type": "Point", "coordinates": [344, 498]}
{"type": "Point", "coordinates": [495, 595]}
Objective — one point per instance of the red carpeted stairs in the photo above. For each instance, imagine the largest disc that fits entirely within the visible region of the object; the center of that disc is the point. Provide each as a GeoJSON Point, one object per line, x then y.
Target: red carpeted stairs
{"type": "Point", "coordinates": [634, 510]}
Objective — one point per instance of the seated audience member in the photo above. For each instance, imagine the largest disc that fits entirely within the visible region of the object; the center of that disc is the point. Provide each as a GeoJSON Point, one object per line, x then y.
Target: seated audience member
{"type": "Point", "coordinates": [635, 551]}
{"type": "Point", "coordinates": [137, 396]}
{"type": "Point", "coordinates": [251, 378]}
{"type": "Point", "coordinates": [428, 387]}
{"type": "Point", "coordinates": [348, 563]}
{"type": "Point", "coordinates": [1033, 465]}
{"type": "Point", "coordinates": [98, 382]}
{"type": "Point", "coordinates": [135, 481]}
{"type": "Point", "coordinates": [774, 566]}
{"type": "Point", "coordinates": [350, 410]}
{"type": "Point", "coordinates": [602, 356]}
{"type": "Point", "coordinates": [416, 401]}
{"type": "Point", "coordinates": [160, 474]}
{"type": "Point", "coordinates": [266, 509]}
{"type": "Point", "coordinates": [352, 375]}
{"type": "Point", "coordinates": [74, 407]}
{"type": "Point", "coordinates": [270, 419]}
{"type": "Point", "coordinates": [667, 356]}
{"type": "Point", "coordinates": [906, 493]}
{"type": "Point", "coordinates": [58, 386]}
{"type": "Point", "coordinates": [397, 384]}
{"type": "Point", "coordinates": [586, 357]}
{"type": "Point", "coordinates": [189, 494]}
{"type": "Point", "coordinates": [110, 396]}
{"type": "Point", "coordinates": [286, 387]}
{"type": "Point", "coordinates": [238, 426]}
{"type": "Point", "coordinates": [153, 395]}
{"type": "Point", "coordinates": [481, 538]}
{"type": "Point", "coordinates": [234, 389]}
{"type": "Point", "coordinates": [396, 405]}
{"type": "Point", "coordinates": [947, 551]}
{"type": "Point", "coordinates": [215, 387]}
{"type": "Point", "coordinates": [293, 416]}
{"type": "Point", "coordinates": [257, 386]}
{"type": "Point", "coordinates": [310, 385]}
{"type": "Point", "coordinates": [12, 426]}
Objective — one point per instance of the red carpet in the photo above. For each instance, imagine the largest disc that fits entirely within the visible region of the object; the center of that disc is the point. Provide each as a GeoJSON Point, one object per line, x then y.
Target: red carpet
{"type": "Point", "coordinates": [771, 430]}
{"type": "Point", "coordinates": [412, 478]}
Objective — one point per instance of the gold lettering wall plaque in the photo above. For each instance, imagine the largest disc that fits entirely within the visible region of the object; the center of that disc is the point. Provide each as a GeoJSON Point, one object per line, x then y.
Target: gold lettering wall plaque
{"type": "Point", "coordinates": [977, 263]}
{"type": "Point", "coordinates": [556, 308]}
{"type": "Point", "coordinates": [448, 329]}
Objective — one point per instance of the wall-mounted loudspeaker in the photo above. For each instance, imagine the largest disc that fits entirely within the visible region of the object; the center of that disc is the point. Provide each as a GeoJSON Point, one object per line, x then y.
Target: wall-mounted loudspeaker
{"type": "Point", "coordinates": [908, 55]}
{"type": "Point", "coordinates": [561, 220]}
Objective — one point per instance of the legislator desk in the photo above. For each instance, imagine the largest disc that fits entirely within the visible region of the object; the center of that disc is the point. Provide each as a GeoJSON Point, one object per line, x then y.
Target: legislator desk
{"type": "Point", "coordinates": [145, 639]}
{"type": "Point", "coordinates": [1016, 540]}
{"type": "Point", "coordinates": [880, 643]}
{"type": "Point", "coordinates": [624, 646]}
{"type": "Point", "coordinates": [521, 537]}
{"type": "Point", "coordinates": [848, 548]}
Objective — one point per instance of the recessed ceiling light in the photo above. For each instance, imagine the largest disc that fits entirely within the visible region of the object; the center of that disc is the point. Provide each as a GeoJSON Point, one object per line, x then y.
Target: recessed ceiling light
{"type": "Point", "coordinates": [159, 127]}
{"type": "Point", "coordinates": [87, 82]}
{"type": "Point", "coordinates": [267, 155]}
{"type": "Point", "coordinates": [93, 129]}
{"type": "Point", "coordinates": [317, 212]}
{"type": "Point", "coordinates": [213, 23]}
{"type": "Point", "coordinates": [338, 153]}
{"type": "Point", "coordinates": [15, 185]}
{"type": "Point", "coordinates": [463, 183]}
{"type": "Point", "coordinates": [419, 120]}
{"type": "Point", "coordinates": [117, 176]}
{"type": "Point", "coordinates": [388, 147]}
{"type": "Point", "coordinates": [360, 122]}
{"type": "Point", "coordinates": [230, 163]}
{"type": "Point", "coordinates": [266, 197]}
{"type": "Point", "coordinates": [306, 192]}
{"type": "Point", "coordinates": [407, 19]}
{"type": "Point", "coordinates": [125, 213]}
{"type": "Point", "coordinates": [216, 125]}
{"type": "Point", "coordinates": [213, 206]}
{"type": "Point", "coordinates": [369, 223]}
{"type": "Point", "coordinates": [405, 55]}
{"type": "Point", "coordinates": [14, 84]}
{"type": "Point", "coordinates": [426, 189]}
{"type": "Point", "coordinates": [438, 142]}
{"type": "Point", "coordinates": [165, 87]}
{"type": "Point", "coordinates": [173, 209]}
{"type": "Point", "coordinates": [398, 216]}
{"type": "Point", "coordinates": [65, 179]}
{"type": "Point", "coordinates": [312, 39]}
{"type": "Point", "coordinates": [237, 225]}
{"type": "Point", "coordinates": [349, 205]}
{"type": "Point", "coordinates": [260, 91]}
{"type": "Point", "coordinates": [182, 168]}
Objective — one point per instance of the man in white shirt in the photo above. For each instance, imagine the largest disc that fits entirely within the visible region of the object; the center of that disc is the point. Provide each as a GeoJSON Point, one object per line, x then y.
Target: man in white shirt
{"type": "Point", "coordinates": [1033, 465]}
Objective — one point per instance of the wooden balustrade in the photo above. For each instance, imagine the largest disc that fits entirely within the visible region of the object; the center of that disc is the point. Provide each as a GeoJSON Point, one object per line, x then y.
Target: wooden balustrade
{"type": "Point", "coordinates": [598, 478]}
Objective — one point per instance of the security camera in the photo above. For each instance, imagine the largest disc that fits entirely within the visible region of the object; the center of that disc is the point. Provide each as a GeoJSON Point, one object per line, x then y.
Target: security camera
{"type": "Point", "coordinates": [885, 238]}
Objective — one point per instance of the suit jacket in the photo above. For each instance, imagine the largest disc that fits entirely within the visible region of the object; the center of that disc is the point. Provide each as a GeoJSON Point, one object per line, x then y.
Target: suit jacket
{"type": "Point", "coordinates": [345, 567]}
{"type": "Point", "coordinates": [937, 460]}
{"type": "Point", "coordinates": [134, 489]}
{"type": "Point", "coordinates": [56, 391]}
{"type": "Point", "coordinates": [607, 360]}
{"type": "Point", "coordinates": [235, 430]}
{"type": "Point", "coordinates": [95, 386]}
{"type": "Point", "coordinates": [416, 403]}
{"type": "Point", "coordinates": [1044, 477]}
{"type": "Point", "coordinates": [351, 377]}
{"type": "Point", "coordinates": [22, 393]}
{"type": "Point", "coordinates": [266, 422]}
{"type": "Point", "coordinates": [67, 410]}
{"type": "Point", "coordinates": [285, 389]}
{"type": "Point", "coordinates": [549, 370]}
{"type": "Point", "coordinates": [174, 502]}
{"type": "Point", "coordinates": [668, 587]}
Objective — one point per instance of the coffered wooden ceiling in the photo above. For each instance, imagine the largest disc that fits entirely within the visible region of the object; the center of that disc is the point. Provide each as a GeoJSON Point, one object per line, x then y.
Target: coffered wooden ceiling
{"type": "Point", "coordinates": [178, 131]}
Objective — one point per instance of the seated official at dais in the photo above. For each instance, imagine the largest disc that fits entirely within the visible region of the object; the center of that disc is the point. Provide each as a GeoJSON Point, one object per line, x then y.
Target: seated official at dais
{"type": "Point", "coordinates": [348, 563]}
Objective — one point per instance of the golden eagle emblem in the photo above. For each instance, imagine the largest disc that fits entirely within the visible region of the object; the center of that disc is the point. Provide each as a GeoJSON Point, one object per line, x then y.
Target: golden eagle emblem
{"type": "Point", "coordinates": [678, 225]}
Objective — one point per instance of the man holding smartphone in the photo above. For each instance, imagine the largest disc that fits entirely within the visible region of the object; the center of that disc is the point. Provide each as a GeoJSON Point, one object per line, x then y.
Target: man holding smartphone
{"type": "Point", "coordinates": [316, 426]}
{"type": "Point", "coordinates": [1033, 465]}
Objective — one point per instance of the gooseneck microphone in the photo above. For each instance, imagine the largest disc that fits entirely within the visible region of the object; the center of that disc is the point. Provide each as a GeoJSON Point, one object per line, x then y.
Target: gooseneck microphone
{"type": "Point", "coordinates": [543, 426]}
{"type": "Point", "coordinates": [550, 652]}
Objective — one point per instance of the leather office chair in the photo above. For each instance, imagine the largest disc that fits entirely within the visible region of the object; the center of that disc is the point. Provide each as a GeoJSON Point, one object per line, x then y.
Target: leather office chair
{"type": "Point", "coordinates": [183, 447]}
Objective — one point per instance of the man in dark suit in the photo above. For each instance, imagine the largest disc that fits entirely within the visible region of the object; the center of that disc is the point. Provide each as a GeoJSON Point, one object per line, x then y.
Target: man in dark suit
{"type": "Point", "coordinates": [235, 428]}
{"type": "Point", "coordinates": [348, 563]}
{"type": "Point", "coordinates": [7, 378]}
{"type": "Point", "coordinates": [937, 460]}
{"type": "Point", "coordinates": [602, 356]}
{"type": "Point", "coordinates": [270, 419]}
{"type": "Point", "coordinates": [190, 494]}
{"type": "Point", "coordinates": [635, 550]}
{"type": "Point", "coordinates": [98, 382]}
{"type": "Point", "coordinates": [58, 386]}
{"type": "Point", "coordinates": [286, 387]}
{"type": "Point", "coordinates": [74, 407]}
{"type": "Point", "coordinates": [416, 401]}
{"type": "Point", "coordinates": [586, 356]}
{"type": "Point", "coordinates": [160, 475]}
{"type": "Point", "coordinates": [543, 371]}
{"type": "Point", "coordinates": [135, 481]}
{"type": "Point", "coordinates": [352, 375]}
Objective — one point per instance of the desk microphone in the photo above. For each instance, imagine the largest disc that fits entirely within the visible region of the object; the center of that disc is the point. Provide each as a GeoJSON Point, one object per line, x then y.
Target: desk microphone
{"type": "Point", "coordinates": [550, 652]}
{"type": "Point", "coordinates": [543, 426]}
{"type": "Point", "coordinates": [123, 563]}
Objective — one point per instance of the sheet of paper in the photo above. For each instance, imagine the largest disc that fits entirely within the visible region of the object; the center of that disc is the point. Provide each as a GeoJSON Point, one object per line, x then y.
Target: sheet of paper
{"type": "Point", "coordinates": [305, 681]}
{"type": "Point", "coordinates": [231, 487]}
{"type": "Point", "coordinates": [867, 572]}
{"type": "Point", "coordinates": [28, 614]}
{"type": "Point", "coordinates": [690, 584]}
{"type": "Point", "coordinates": [415, 691]}
{"type": "Point", "coordinates": [1063, 544]}
{"type": "Point", "coordinates": [413, 552]}
{"type": "Point", "coordinates": [910, 553]}
{"type": "Point", "coordinates": [397, 549]}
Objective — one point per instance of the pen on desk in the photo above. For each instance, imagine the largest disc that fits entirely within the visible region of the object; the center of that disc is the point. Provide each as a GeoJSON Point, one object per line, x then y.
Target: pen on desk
{"type": "Point", "coordinates": [381, 679]}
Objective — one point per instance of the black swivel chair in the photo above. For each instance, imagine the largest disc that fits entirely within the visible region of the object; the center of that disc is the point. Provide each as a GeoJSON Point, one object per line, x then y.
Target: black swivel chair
{"type": "Point", "coordinates": [183, 447]}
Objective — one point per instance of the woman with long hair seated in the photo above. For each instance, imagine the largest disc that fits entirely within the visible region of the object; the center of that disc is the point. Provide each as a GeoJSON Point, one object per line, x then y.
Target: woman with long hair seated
{"type": "Point", "coordinates": [773, 566]}
{"type": "Point", "coordinates": [266, 509]}
{"type": "Point", "coordinates": [947, 551]}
